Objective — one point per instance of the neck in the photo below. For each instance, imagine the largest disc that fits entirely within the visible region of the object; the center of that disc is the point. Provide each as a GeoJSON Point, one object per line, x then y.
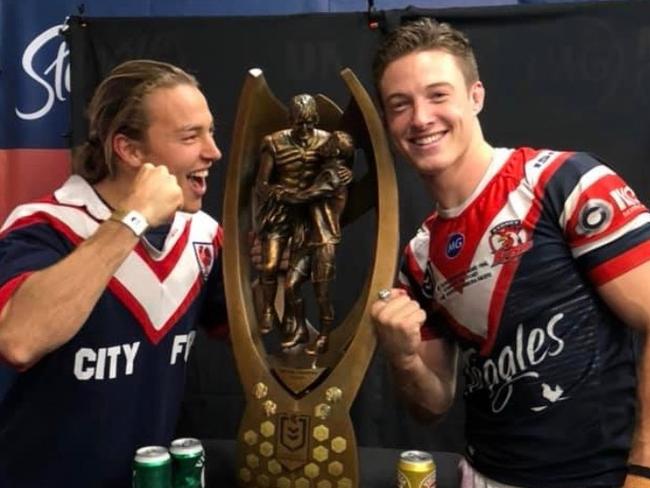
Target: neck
{"type": "Point", "coordinates": [452, 186]}
{"type": "Point", "coordinates": [114, 190]}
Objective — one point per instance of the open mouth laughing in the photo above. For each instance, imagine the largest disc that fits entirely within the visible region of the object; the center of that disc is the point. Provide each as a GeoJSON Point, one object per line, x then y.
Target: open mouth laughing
{"type": "Point", "coordinates": [198, 181]}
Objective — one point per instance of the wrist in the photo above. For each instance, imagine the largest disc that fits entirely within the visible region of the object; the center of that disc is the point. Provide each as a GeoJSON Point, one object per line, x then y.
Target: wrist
{"type": "Point", "coordinates": [634, 481]}
{"type": "Point", "coordinates": [406, 363]}
{"type": "Point", "coordinates": [132, 219]}
{"type": "Point", "coordinates": [637, 476]}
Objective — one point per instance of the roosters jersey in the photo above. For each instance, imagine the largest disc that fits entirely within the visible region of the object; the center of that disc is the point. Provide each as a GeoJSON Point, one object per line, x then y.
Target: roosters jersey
{"type": "Point", "coordinates": [76, 417]}
{"type": "Point", "coordinates": [511, 276]}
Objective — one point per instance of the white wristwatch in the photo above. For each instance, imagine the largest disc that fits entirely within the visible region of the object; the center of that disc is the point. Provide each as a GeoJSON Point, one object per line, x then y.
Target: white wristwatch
{"type": "Point", "coordinates": [133, 219]}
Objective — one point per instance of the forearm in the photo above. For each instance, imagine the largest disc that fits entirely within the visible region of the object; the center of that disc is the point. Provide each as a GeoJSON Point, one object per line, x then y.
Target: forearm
{"type": "Point", "coordinates": [428, 394]}
{"type": "Point", "coordinates": [640, 450]}
{"type": "Point", "coordinates": [50, 307]}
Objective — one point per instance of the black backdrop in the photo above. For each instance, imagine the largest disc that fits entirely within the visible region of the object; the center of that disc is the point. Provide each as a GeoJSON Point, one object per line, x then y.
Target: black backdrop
{"type": "Point", "coordinates": [572, 76]}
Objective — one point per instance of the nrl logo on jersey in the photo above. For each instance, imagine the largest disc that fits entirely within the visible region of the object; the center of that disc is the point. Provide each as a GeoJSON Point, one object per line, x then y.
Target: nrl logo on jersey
{"type": "Point", "coordinates": [508, 240]}
{"type": "Point", "coordinates": [429, 283]}
{"type": "Point", "coordinates": [204, 253]}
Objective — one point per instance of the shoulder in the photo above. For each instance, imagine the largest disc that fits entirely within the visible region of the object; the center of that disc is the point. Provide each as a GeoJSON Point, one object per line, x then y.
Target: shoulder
{"type": "Point", "coordinates": [206, 227]}
{"type": "Point", "coordinates": [322, 135]}
{"type": "Point", "coordinates": [271, 141]}
{"type": "Point", "coordinates": [544, 166]}
{"type": "Point", "coordinates": [417, 248]}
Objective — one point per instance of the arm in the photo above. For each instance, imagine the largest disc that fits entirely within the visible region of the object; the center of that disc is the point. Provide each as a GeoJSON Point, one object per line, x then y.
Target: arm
{"type": "Point", "coordinates": [425, 371]}
{"type": "Point", "coordinates": [264, 170]}
{"type": "Point", "coordinates": [329, 181]}
{"type": "Point", "coordinates": [628, 296]}
{"type": "Point", "coordinates": [52, 304]}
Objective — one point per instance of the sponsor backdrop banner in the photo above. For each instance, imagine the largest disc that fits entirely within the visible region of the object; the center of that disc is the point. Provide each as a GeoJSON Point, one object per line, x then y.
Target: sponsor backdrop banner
{"type": "Point", "coordinates": [35, 78]}
{"type": "Point", "coordinates": [35, 74]}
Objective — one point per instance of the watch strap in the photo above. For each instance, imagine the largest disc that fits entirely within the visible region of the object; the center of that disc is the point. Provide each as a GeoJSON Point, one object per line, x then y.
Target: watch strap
{"type": "Point", "coordinates": [133, 219]}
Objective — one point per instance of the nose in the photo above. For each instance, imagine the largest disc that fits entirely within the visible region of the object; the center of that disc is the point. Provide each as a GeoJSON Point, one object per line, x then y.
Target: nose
{"type": "Point", "coordinates": [422, 114]}
{"type": "Point", "coordinates": [210, 150]}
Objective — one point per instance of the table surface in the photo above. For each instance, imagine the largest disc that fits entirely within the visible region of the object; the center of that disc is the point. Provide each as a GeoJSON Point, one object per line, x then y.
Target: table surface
{"type": "Point", "coordinates": [376, 466]}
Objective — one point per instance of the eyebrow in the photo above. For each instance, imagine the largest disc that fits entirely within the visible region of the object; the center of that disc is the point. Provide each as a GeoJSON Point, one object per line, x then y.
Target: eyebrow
{"type": "Point", "coordinates": [432, 86]}
{"type": "Point", "coordinates": [193, 127]}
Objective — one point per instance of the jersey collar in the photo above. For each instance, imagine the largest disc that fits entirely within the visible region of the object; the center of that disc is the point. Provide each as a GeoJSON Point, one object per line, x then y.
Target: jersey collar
{"type": "Point", "coordinates": [78, 193]}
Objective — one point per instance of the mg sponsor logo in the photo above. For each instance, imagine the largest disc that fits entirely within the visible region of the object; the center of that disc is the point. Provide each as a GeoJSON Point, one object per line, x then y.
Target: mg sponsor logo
{"type": "Point", "coordinates": [46, 64]}
{"type": "Point", "coordinates": [455, 244]}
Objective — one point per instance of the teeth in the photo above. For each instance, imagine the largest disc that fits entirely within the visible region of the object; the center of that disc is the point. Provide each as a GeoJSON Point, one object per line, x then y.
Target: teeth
{"type": "Point", "coordinates": [199, 174]}
{"type": "Point", "coordinates": [430, 139]}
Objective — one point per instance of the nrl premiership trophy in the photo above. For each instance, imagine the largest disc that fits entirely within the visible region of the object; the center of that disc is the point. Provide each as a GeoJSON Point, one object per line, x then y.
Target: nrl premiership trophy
{"type": "Point", "coordinates": [290, 188]}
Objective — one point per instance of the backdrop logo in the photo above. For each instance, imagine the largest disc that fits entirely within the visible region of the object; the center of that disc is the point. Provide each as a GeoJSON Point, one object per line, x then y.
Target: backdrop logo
{"type": "Point", "coordinates": [50, 74]}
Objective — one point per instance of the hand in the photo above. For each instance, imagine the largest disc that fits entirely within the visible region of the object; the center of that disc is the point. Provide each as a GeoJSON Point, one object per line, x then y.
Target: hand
{"type": "Point", "coordinates": [283, 194]}
{"type": "Point", "coordinates": [398, 320]}
{"type": "Point", "coordinates": [155, 193]}
{"type": "Point", "coordinates": [344, 174]}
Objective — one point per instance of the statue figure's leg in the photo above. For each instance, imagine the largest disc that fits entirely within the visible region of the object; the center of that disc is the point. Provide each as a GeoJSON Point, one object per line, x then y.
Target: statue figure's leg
{"type": "Point", "coordinates": [323, 271]}
{"type": "Point", "coordinates": [295, 329]}
{"type": "Point", "coordinates": [272, 248]}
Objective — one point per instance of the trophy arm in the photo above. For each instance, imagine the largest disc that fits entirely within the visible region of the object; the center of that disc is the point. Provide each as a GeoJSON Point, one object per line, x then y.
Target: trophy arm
{"type": "Point", "coordinates": [328, 111]}
{"type": "Point", "coordinates": [380, 185]}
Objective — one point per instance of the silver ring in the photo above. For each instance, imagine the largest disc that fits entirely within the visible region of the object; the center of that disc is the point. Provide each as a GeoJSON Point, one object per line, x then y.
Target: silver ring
{"type": "Point", "coordinates": [384, 294]}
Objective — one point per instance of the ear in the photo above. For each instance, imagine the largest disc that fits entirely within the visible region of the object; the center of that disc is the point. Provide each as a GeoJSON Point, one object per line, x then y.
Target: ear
{"type": "Point", "coordinates": [477, 97]}
{"type": "Point", "coordinates": [128, 150]}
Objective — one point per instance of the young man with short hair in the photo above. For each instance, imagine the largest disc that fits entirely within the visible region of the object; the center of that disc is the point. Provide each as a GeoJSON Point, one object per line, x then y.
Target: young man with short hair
{"type": "Point", "coordinates": [534, 264]}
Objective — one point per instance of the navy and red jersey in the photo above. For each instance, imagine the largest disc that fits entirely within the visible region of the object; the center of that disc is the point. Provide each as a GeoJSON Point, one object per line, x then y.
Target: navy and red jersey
{"type": "Point", "coordinates": [76, 418]}
{"type": "Point", "coordinates": [512, 276]}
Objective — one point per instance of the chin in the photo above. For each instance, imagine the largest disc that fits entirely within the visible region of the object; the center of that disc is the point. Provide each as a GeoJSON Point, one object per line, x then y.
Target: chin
{"type": "Point", "coordinates": [427, 166]}
{"type": "Point", "coordinates": [436, 162]}
{"type": "Point", "coordinates": [192, 207]}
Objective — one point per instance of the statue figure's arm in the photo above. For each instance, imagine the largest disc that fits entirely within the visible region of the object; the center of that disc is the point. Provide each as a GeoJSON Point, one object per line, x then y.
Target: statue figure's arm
{"type": "Point", "coordinates": [332, 178]}
{"type": "Point", "coordinates": [264, 170]}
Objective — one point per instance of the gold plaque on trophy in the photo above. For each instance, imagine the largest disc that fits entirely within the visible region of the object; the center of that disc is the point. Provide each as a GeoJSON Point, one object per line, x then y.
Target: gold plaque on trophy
{"type": "Point", "coordinates": [290, 188]}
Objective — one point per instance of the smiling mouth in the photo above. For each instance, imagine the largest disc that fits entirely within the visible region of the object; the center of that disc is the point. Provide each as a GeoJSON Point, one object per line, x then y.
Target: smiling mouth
{"type": "Point", "coordinates": [427, 139]}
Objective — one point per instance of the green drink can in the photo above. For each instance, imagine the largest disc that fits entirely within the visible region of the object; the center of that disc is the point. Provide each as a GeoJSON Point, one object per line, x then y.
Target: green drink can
{"type": "Point", "coordinates": [152, 468]}
{"type": "Point", "coordinates": [188, 463]}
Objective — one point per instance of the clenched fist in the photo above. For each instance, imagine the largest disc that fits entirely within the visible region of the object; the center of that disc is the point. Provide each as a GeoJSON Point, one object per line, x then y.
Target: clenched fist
{"type": "Point", "coordinates": [398, 320]}
{"type": "Point", "coordinates": [155, 193]}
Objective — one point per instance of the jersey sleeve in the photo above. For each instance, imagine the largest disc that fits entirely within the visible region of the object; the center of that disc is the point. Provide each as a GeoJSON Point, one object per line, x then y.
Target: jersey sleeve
{"type": "Point", "coordinates": [25, 250]}
{"type": "Point", "coordinates": [416, 277]}
{"type": "Point", "coordinates": [605, 225]}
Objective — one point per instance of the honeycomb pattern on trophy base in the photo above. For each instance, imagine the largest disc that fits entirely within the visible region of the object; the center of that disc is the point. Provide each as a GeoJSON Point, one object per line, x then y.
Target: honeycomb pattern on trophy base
{"type": "Point", "coordinates": [325, 466]}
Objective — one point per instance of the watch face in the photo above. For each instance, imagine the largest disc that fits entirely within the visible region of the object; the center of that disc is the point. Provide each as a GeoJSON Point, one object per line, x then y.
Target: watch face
{"type": "Point", "coordinates": [136, 222]}
{"type": "Point", "coordinates": [133, 220]}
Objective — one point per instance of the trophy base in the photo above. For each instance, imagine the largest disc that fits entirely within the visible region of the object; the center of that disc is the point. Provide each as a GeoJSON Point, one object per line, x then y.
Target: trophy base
{"type": "Point", "coordinates": [303, 445]}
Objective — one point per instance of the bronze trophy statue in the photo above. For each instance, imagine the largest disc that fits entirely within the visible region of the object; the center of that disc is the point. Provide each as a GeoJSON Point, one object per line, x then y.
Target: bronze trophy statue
{"type": "Point", "coordinates": [290, 184]}
{"type": "Point", "coordinates": [301, 188]}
